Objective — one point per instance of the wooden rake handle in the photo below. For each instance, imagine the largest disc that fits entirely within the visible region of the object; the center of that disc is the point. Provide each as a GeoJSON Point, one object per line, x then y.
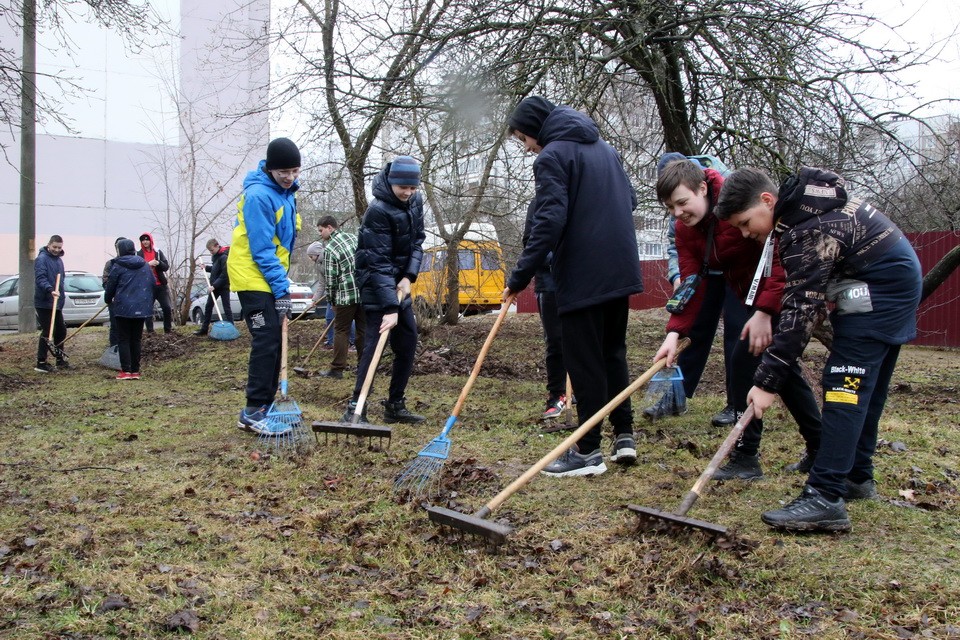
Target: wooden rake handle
{"type": "Point", "coordinates": [53, 315]}
{"type": "Point", "coordinates": [715, 463]}
{"type": "Point", "coordinates": [581, 431]}
{"type": "Point", "coordinates": [80, 328]}
{"type": "Point", "coordinates": [483, 354]}
{"type": "Point", "coordinates": [206, 277]}
{"type": "Point", "coordinates": [316, 344]}
{"type": "Point", "coordinates": [283, 355]}
{"type": "Point", "coordinates": [372, 369]}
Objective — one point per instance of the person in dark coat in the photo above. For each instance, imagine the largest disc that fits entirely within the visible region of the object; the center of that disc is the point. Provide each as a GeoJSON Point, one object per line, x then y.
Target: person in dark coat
{"type": "Point", "coordinates": [219, 286]}
{"type": "Point", "coordinates": [112, 336]}
{"type": "Point", "coordinates": [48, 302]}
{"type": "Point", "coordinates": [389, 252]}
{"type": "Point", "coordinates": [840, 249]}
{"type": "Point", "coordinates": [130, 292]}
{"type": "Point", "coordinates": [583, 213]}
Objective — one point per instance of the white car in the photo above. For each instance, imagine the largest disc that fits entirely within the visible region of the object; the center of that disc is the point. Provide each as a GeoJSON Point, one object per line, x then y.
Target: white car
{"type": "Point", "coordinates": [300, 296]}
{"type": "Point", "coordinates": [84, 298]}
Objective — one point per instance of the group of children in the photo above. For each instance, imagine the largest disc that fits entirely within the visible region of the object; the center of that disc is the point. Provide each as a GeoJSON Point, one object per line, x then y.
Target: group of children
{"type": "Point", "coordinates": [784, 252]}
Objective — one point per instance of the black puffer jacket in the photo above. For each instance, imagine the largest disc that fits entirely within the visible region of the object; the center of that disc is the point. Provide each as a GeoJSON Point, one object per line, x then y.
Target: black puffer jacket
{"type": "Point", "coordinates": [583, 213]}
{"type": "Point", "coordinates": [218, 270]}
{"type": "Point", "coordinates": [390, 245]}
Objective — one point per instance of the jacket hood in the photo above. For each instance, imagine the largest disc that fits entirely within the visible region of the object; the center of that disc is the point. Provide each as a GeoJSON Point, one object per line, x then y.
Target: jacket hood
{"type": "Point", "coordinates": [223, 250]}
{"type": "Point", "coordinates": [811, 192]}
{"type": "Point", "coordinates": [153, 244]}
{"type": "Point", "coordinates": [384, 192]}
{"type": "Point", "coordinates": [125, 247]}
{"type": "Point", "coordinates": [261, 177]}
{"type": "Point", "coordinates": [130, 261]}
{"type": "Point", "coordinates": [565, 123]}
{"type": "Point", "coordinates": [44, 250]}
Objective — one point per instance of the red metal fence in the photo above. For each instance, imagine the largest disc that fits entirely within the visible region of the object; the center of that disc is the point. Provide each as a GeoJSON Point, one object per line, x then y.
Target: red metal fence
{"type": "Point", "coordinates": [939, 319]}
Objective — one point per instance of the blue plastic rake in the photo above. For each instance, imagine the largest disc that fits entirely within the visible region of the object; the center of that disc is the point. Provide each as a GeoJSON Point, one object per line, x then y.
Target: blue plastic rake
{"type": "Point", "coordinates": [283, 426]}
{"type": "Point", "coordinates": [424, 470]}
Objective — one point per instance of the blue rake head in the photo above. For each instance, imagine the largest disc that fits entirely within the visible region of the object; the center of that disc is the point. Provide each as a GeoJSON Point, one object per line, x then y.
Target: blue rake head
{"type": "Point", "coordinates": [223, 330]}
{"type": "Point", "coordinates": [424, 469]}
{"type": "Point", "coordinates": [283, 426]}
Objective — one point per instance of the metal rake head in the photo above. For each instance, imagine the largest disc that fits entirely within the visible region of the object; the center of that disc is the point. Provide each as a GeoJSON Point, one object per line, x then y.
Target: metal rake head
{"type": "Point", "coordinates": [283, 427]}
{"type": "Point", "coordinates": [419, 476]}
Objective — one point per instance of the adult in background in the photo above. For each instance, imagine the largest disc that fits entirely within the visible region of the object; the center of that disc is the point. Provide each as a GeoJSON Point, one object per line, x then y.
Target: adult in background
{"type": "Point", "coordinates": [389, 252]}
{"type": "Point", "coordinates": [161, 292]}
{"type": "Point", "coordinates": [48, 301]}
{"type": "Point", "coordinates": [583, 213]}
{"type": "Point", "coordinates": [129, 291]}
{"type": "Point", "coordinates": [340, 275]}
{"type": "Point", "coordinates": [264, 233]}
{"type": "Point", "coordinates": [108, 265]}
{"type": "Point", "coordinates": [219, 285]}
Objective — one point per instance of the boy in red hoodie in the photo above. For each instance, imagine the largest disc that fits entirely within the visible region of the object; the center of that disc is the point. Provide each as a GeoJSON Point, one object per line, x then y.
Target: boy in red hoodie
{"type": "Point", "coordinates": [161, 291]}
{"type": "Point", "coordinates": [704, 242]}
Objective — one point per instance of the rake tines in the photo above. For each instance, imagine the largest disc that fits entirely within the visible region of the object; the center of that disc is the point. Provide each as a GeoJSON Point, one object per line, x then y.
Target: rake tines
{"type": "Point", "coordinates": [283, 426]}
{"type": "Point", "coordinates": [423, 470]}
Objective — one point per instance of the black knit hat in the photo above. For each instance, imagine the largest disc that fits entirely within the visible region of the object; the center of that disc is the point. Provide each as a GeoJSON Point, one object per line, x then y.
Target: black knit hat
{"type": "Point", "coordinates": [282, 153]}
{"type": "Point", "coordinates": [529, 116]}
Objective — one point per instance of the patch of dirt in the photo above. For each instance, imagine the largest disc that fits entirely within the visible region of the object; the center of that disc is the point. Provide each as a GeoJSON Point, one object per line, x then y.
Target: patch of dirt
{"type": "Point", "coordinates": [160, 347]}
{"type": "Point", "coordinates": [15, 382]}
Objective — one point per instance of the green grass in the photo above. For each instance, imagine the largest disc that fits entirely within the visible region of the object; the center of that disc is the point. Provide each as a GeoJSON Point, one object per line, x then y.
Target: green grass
{"type": "Point", "coordinates": [147, 491]}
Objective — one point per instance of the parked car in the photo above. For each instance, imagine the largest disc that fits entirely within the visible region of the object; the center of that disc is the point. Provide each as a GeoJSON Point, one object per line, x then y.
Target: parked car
{"type": "Point", "coordinates": [300, 296]}
{"type": "Point", "coordinates": [84, 297]}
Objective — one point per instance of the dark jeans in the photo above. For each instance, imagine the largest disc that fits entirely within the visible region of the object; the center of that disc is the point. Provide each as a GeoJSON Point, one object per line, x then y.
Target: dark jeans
{"type": "Point", "coordinates": [403, 342]}
{"type": "Point", "coordinates": [224, 295]}
{"type": "Point", "coordinates": [856, 379]}
{"type": "Point", "coordinates": [161, 293]}
{"type": "Point", "coordinates": [129, 343]}
{"type": "Point", "coordinates": [44, 316]}
{"type": "Point", "coordinates": [796, 395]}
{"type": "Point", "coordinates": [263, 370]}
{"type": "Point", "coordinates": [553, 338]}
{"type": "Point", "coordinates": [595, 352]}
{"type": "Point", "coordinates": [719, 299]}
{"type": "Point", "coordinates": [343, 319]}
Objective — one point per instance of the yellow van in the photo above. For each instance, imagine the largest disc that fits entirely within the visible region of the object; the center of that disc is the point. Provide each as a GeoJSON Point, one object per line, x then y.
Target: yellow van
{"type": "Point", "coordinates": [481, 272]}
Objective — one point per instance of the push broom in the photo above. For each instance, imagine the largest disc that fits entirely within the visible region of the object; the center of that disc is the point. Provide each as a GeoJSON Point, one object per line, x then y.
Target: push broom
{"type": "Point", "coordinates": [284, 418]}
{"type": "Point", "coordinates": [496, 533]}
{"type": "Point", "coordinates": [221, 329]}
{"type": "Point", "coordinates": [423, 469]}
{"type": "Point", "coordinates": [354, 427]}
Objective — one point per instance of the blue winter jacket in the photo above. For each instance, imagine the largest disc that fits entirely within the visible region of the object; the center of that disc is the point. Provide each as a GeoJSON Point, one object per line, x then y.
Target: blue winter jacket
{"type": "Point", "coordinates": [130, 284]}
{"type": "Point", "coordinates": [583, 212]}
{"type": "Point", "coordinates": [46, 267]}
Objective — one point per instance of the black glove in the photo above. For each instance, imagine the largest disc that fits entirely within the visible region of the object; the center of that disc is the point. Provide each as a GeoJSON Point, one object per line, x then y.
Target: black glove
{"type": "Point", "coordinates": [283, 305]}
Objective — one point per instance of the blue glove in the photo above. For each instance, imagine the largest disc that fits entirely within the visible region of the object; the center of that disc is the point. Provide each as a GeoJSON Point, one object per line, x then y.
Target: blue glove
{"type": "Point", "coordinates": [283, 305]}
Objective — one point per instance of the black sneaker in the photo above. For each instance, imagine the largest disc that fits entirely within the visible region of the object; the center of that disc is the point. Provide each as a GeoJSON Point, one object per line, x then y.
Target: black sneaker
{"type": "Point", "coordinates": [740, 467]}
{"type": "Point", "coordinates": [725, 418]}
{"type": "Point", "coordinates": [63, 364]}
{"type": "Point", "coordinates": [351, 409]}
{"type": "Point", "coordinates": [573, 464]}
{"type": "Point", "coordinates": [248, 421]}
{"type": "Point", "coordinates": [803, 465]}
{"type": "Point", "coordinates": [866, 490]}
{"type": "Point", "coordinates": [624, 449]}
{"type": "Point", "coordinates": [397, 412]}
{"type": "Point", "coordinates": [667, 405]}
{"type": "Point", "coordinates": [44, 367]}
{"type": "Point", "coordinates": [811, 511]}
{"type": "Point", "coordinates": [336, 374]}
{"type": "Point", "coordinates": [200, 332]}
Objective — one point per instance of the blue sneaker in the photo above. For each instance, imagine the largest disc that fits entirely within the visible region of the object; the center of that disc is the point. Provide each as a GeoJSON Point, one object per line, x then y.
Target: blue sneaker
{"type": "Point", "coordinates": [572, 463]}
{"type": "Point", "coordinates": [251, 421]}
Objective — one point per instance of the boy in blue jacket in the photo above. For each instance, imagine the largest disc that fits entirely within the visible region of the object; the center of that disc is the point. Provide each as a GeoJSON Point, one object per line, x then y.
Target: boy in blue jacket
{"type": "Point", "coordinates": [48, 302]}
{"type": "Point", "coordinates": [839, 249]}
{"type": "Point", "coordinates": [129, 293]}
{"type": "Point", "coordinates": [263, 237]}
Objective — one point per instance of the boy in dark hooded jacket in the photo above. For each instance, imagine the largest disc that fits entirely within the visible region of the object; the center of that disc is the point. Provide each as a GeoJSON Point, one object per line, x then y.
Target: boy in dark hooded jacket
{"type": "Point", "coordinates": [219, 286]}
{"type": "Point", "coordinates": [48, 301]}
{"type": "Point", "coordinates": [583, 213]}
{"type": "Point", "coordinates": [129, 291]}
{"type": "Point", "coordinates": [838, 249]}
{"type": "Point", "coordinates": [389, 252]}
{"type": "Point", "coordinates": [107, 267]}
